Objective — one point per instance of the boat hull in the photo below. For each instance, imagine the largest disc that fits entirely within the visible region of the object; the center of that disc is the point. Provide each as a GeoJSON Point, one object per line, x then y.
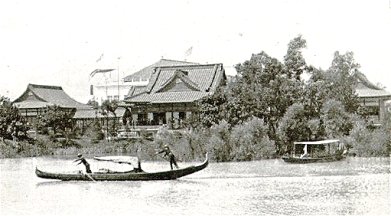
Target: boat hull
{"type": "Point", "coordinates": [124, 176]}
{"type": "Point", "coordinates": [298, 160]}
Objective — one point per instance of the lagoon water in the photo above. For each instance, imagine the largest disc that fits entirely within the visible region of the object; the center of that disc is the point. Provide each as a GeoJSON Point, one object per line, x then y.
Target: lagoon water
{"type": "Point", "coordinates": [356, 186]}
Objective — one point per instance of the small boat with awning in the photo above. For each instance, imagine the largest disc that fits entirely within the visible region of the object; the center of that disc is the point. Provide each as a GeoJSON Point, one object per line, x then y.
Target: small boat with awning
{"type": "Point", "coordinates": [316, 151]}
{"type": "Point", "coordinates": [137, 174]}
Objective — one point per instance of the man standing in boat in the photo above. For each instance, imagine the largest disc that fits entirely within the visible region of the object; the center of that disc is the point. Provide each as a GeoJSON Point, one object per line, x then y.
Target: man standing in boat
{"type": "Point", "coordinates": [84, 161]}
{"type": "Point", "coordinates": [167, 152]}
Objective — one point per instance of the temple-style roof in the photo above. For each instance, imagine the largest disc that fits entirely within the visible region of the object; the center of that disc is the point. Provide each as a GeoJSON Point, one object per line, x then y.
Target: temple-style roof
{"type": "Point", "coordinates": [135, 90]}
{"type": "Point", "coordinates": [176, 84]}
{"type": "Point", "coordinates": [40, 96]}
{"type": "Point", "coordinates": [95, 113]}
{"type": "Point", "coordinates": [146, 72]}
{"type": "Point", "coordinates": [366, 89]}
{"type": "Point", "coordinates": [168, 97]}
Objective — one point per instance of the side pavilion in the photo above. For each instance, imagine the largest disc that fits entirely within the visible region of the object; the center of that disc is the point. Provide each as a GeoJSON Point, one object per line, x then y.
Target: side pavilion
{"type": "Point", "coordinates": [36, 98]}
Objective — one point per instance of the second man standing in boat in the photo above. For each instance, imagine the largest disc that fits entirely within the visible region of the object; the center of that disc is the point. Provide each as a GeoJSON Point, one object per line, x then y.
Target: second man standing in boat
{"type": "Point", "coordinates": [84, 161]}
{"type": "Point", "coordinates": [167, 152]}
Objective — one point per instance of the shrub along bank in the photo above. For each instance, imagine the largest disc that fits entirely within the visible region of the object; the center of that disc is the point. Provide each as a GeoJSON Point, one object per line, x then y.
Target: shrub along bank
{"type": "Point", "coordinates": [243, 142]}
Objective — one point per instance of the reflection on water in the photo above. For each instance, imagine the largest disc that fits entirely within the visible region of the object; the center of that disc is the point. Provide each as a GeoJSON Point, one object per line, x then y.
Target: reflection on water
{"type": "Point", "coordinates": [356, 186]}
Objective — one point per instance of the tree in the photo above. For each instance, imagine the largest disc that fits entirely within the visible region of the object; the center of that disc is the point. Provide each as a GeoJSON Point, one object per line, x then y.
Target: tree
{"type": "Point", "coordinates": [293, 60]}
{"type": "Point", "coordinates": [109, 107]}
{"type": "Point", "coordinates": [336, 121]}
{"type": "Point", "coordinates": [93, 103]}
{"type": "Point", "coordinates": [250, 141]}
{"type": "Point", "coordinates": [342, 80]}
{"type": "Point", "coordinates": [58, 119]}
{"type": "Point", "coordinates": [12, 124]}
{"type": "Point", "coordinates": [294, 126]}
{"type": "Point", "coordinates": [268, 87]}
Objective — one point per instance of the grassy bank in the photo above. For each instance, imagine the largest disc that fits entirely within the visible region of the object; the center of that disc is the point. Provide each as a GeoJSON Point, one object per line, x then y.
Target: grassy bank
{"type": "Point", "coordinates": [44, 146]}
{"type": "Point", "coordinates": [242, 143]}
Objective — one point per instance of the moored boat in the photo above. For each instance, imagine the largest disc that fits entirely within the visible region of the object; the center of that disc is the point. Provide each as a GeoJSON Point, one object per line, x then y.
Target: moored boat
{"type": "Point", "coordinates": [132, 175]}
{"type": "Point", "coordinates": [316, 151]}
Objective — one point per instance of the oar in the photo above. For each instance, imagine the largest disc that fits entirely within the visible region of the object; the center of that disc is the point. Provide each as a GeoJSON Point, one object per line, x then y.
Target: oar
{"type": "Point", "coordinates": [90, 177]}
{"type": "Point", "coordinates": [86, 174]}
{"type": "Point", "coordinates": [162, 157]}
{"type": "Point", "coordinates": [167, 159]}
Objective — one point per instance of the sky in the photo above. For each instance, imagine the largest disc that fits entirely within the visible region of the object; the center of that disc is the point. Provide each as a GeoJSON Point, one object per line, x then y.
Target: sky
{"type": "Point", "coordinates": [59, 42]}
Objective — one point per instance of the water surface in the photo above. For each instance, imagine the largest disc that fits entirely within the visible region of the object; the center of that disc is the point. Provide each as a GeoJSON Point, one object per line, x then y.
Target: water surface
{"type": "Point", "coordinates": [356, 186]}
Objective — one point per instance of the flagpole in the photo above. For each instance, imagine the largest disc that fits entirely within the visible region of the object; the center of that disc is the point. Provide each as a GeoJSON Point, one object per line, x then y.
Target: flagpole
{"type": "Point", "coordinates": [118, 76]}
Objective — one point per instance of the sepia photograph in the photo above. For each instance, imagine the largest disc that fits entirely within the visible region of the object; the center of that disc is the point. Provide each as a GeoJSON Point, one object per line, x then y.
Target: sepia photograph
{"type": "Point", "coordinates": [195, 107]}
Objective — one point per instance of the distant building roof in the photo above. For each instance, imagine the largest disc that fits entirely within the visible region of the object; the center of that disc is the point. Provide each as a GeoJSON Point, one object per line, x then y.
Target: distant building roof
{"type": "Point", "coordinates": [39, 96]}
{"type": "Point", "coordinates": [173, 84]}
{"type": "Point", "coordinates": [365, 88]}
{"type": "Point", "coordinates": [169, 97]}
{"type": "Point", "coordinates": [146, 72]}
{"type": "Point", "coordinates": [135, 90]}
{"type": "Point", "coordinates": [95, 113]}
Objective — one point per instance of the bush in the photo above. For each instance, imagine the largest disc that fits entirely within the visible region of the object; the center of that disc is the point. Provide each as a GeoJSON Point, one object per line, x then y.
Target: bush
{"type": "Point", "coordinates": [218, 144]}
{"type": "Point", "coordinates": [9, 149]}
{"type": "Point", "coordinates": [250, 141]}
{"type": "Point", "coordinates": [369, 142]}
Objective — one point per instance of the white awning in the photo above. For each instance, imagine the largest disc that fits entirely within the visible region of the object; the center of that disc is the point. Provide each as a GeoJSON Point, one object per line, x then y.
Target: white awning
{"type": "Point", "coordinates": [321, 142]}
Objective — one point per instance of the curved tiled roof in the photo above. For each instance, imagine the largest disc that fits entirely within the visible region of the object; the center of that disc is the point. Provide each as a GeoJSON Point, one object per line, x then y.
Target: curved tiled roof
{"type": "Point", "coordinates": [203, 75]}
{"type": "Point", "coordinates": [365, 88]}
{"type": "Point", "coordinates": [39, 95]}
{"type": "Point", "coordinates": [146, 72]}
{"type": "Point", "coordinates": [169, 97]}
{"type": "Point", "coordinates": [135, 90]}
{"type": "Point", "coordinates": [201, 80]}
{"type": "Point", "coordinates": [93, 113]}
{"type": "Point", "coordinates": [367, 92]}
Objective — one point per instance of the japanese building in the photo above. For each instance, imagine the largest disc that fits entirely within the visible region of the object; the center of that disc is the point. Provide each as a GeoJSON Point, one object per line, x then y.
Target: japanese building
{"type": "Point", "coordinates": [110, 84]}
{"type": "Point", "coordinates": [36, 98]}
{"type": "Point", "coordinates": [171, 94]}
{"type": "Point", "coordinates": [372, 97]}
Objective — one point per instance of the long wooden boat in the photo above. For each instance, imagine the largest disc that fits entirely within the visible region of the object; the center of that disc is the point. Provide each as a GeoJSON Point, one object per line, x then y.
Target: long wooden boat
{"type": "Point", "coordinates": [309, 152]}
{"type": "Point", "coordinates": [291, 159]}
{"type": "Point", "coordinates": [133, 175]}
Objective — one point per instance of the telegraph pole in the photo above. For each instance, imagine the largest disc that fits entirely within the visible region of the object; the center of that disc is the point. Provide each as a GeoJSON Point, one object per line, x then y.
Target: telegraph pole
{"type": "Point", "coordinates": [118, 76]}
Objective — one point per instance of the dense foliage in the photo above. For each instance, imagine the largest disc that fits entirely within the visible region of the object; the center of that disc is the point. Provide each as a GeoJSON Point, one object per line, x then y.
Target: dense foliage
{"type": "Point", "coordinates": [108, 108]}
{"type": "Point", "coordinates": [260, 114]}
{"type": "Point", "coordinates": [292, 109]}
{"type": "Point", "coordinates": [12, 124]}
{"type": "Point", "coordinates": [56, 120]}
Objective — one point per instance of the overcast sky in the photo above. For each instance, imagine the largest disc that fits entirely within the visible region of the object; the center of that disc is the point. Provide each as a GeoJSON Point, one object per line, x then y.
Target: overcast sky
{"type": "Point", "coordinates": [58, 42]}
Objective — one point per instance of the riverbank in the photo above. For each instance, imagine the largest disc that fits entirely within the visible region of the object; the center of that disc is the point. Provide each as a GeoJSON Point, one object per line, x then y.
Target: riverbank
{"type": "Point", "coordinates": [44, 146]}
{"type": "Point", "coordinates": [186, 147]}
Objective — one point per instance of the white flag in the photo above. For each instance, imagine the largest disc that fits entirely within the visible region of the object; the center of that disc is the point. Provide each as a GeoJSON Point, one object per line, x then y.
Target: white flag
{"type": "Point", "coordinates": [100, 58]}
{"type": "Point", "coordinates": [189, 51]}
{"type": "Point", "coordinates": [100, 71]}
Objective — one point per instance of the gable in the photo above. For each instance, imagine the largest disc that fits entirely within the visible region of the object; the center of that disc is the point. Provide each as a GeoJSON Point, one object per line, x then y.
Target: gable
{"type": "Point", "coordinates": [179, 81]}
{"type": "Point", "coordinates": [28, 95]}
{"type": "Point", "coordinates": [177, 85]}
{"type": "Point", "coordinates": [206, 78]}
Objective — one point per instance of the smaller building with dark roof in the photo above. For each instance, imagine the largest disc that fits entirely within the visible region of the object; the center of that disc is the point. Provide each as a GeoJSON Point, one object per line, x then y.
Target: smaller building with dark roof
{"type": "Point", "coordinates": [36, 98]}
{"type": "Point", "coordinates": [372, 97]}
